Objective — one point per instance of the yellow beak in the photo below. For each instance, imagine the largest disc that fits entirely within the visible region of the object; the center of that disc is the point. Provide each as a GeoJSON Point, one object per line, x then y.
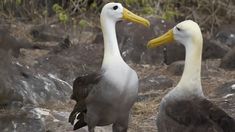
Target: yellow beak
{"type": "Point", "coordinates": [128, 15]}
{"type": "Point", "coordinates": [165, 38]}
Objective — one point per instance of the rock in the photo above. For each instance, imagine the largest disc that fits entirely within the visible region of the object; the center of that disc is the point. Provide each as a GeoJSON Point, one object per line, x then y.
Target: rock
{"type": "Point", "coordinates": [174, 52]}
{"type": "Point", "coordinates": [21, 120]}
{"type": "Point", "coordinates": [176, 68]}
{"type": "Point", "coordinates": [7, 92]}
{"type": "Point", "coordinates": [226, 35]}
{"type": "Point", "coordinates": [46, 33]}
{"type": "Point", "coordinates": [78, 60]}
{"type": "Point", "coordinates": [11, 44]}
{"type": "Point", "coordinates": [211, 50]}
{"type": "Point", "coordinates": [133, 40]}
{"type": "Point", "coordinates": [20, 84]}
{"type": "Point", "coordinates": [228, 61]}
{"type": "Point", "coordinates": [154, 82]}
{"type": "Point", "coordinates": [57, 33]}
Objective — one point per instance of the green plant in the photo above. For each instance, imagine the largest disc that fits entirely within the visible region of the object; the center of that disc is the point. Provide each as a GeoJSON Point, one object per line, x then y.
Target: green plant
{"type": "Point", "coordinates": [169, 15]}
{"type": "Point", "coordinates": [83, 23]}
{"type": "Point", "coordinates": [148, 10]}
{"type": "Point", "coordinates": [18, 2]}
{"type": "Point", "coordinates": [62, 14]}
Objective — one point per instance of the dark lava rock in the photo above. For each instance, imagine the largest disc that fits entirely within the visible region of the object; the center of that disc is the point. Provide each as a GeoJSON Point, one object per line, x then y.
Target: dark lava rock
{"type": "Point", "coordinates": [20, 84]}
{"type": "Point", "coordinates": [72, 62]}
{"type": "Point", "coordinates": [21, 120]}
{"type": "Point", "coordinates": [134, 38]}
{"type": "Point", "coordinates": [58, 32]}
{"type": "Point", "coordinates": [155, 82]}
{"type": "Point", "coordinates": [7, 92]}
{"type": "Point", "coordinates": [211, 50]}
{"type": "Point", "coordinates": [11, 44]}
{"type": "Point", "coordinates": [174, 52]}
{"type": "Point", "coordinates": [226, 35]}
{"type": "Point", "coordinates": [47, 33]}
{"type": "Point", "coordinates": [228, 61]}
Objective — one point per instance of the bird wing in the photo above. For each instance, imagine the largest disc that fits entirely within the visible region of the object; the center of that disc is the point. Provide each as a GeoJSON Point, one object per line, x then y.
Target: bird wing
{"type": "Point", "coordinates": [82, 86]}
{"type": "Point", "coordinates": [200, 113]}
{"type": "Point", "coordinates": [217, 115]}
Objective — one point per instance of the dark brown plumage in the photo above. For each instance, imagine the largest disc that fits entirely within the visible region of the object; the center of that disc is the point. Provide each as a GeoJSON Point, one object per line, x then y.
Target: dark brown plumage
{"type": "Point", "coordinates": [196, 114]}
{"type": "Point", "coordinates": [81, 89]}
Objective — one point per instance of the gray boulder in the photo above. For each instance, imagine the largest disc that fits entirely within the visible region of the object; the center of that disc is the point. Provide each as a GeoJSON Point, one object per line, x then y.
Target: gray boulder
{"type": "Point", "coordinates": [226, 35]}
{"type": "Point", "coordinates": [211, 50]}
{"type": "Point", "coordinates": [21, 120]}
{"type": "Point", "coordinates": [174, 52]}
{"type": "Point", "coordinates": [134, 38]}
{"type": "Point", "coordinates": [13, 45]}
{"type": "Point", "coordinates": [228, 61]}
{"type": "Point", "coordinates": [20, 84]}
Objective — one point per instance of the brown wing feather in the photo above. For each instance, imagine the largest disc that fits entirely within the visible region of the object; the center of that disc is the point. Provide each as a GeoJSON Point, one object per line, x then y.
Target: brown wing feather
{"type": "Point", "coordinates": [220, 117]}
{"type": "Point", "coordinates": [199, 114]}
{"type": "Point", "coordinates": [82, 86]}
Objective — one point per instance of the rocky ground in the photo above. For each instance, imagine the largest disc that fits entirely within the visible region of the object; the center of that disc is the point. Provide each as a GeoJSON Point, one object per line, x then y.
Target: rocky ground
{"type": "Point", "coordinates": [39, 63]}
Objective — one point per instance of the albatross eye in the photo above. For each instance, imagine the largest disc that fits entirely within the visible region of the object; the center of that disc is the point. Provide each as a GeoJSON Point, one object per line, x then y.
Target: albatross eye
{"type": "Point", "coordinates": [178, 29]}
{"type": "Point", "coordinates": [115, 7]}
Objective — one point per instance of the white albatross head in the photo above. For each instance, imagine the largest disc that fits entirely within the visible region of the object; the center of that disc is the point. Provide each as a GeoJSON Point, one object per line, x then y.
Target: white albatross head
{"type": "Point", "coordinates": [187, 33]}
{"type": "Point", "coordinates": [116, 12]}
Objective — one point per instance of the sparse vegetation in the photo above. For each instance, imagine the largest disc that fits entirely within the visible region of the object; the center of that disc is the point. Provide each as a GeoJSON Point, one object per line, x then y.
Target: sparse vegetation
{"type": "Point", "coordinates": [210, 14]}
{"type": "Point", "coordinates": [61, 13]}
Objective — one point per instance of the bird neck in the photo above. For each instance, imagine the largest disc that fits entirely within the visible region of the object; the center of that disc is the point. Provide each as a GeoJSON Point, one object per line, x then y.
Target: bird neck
{"type": "Point", "coordinates": [111, 50]}
{"type": "Point", "coordinates": [191, 79]}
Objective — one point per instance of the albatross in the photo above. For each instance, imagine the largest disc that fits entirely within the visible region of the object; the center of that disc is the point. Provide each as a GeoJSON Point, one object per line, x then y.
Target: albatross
{"type": "Point", "coordinates": [185, 108]}
{"type": "Point", "coordinates": [106, 97]}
